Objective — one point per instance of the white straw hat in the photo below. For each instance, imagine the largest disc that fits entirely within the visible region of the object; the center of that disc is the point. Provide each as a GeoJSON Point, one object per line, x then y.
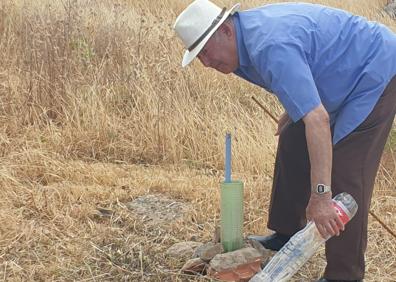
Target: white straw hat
{"type": "Point", "coordinates": [197, 23]}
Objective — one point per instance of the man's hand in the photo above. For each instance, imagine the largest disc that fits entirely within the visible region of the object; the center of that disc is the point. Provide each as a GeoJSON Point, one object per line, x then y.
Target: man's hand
{"type": "Point", "coordinates": [282, 123]}
{"type": "Point", "coordinates": [320, 210]}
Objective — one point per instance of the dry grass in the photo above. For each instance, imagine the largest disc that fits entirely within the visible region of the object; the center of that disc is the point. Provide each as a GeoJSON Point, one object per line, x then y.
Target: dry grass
{"type": "Point", "coordinates": [95, 111]}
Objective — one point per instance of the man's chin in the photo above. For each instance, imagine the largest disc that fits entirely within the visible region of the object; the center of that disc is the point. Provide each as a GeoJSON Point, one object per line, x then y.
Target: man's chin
{"type": "Point", "coordinates": [225, 70]}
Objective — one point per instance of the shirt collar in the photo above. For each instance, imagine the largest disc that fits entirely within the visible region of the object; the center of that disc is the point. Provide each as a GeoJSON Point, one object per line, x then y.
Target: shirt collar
{"type": "Point", "coordinates": [242, 52]}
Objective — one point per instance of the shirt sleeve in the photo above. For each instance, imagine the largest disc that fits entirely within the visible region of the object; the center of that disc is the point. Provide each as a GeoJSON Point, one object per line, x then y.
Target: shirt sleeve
{"type": "Point", "coordinates": [285, 70]}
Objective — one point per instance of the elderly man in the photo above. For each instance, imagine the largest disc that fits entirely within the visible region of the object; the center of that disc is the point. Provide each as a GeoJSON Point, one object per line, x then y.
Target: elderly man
{"type": "Point", "coordinates": [334, 73]}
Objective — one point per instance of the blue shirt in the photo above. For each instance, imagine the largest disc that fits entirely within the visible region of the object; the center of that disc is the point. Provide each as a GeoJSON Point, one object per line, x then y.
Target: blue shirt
{"type": "Point", "coordinates": [308, 54]}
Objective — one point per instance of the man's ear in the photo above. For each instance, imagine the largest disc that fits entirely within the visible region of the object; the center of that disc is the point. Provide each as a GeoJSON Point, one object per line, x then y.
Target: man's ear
{"type": "Point", "coordinates": [227, 28]}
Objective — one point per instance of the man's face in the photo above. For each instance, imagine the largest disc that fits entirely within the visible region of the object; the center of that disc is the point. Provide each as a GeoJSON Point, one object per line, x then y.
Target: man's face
{"type": "Point", "coordinates": [220, 52]}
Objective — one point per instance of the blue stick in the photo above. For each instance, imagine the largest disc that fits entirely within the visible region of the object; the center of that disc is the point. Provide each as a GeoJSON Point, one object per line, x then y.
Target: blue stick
{"type": "Point", "coordinates": [228, 158]}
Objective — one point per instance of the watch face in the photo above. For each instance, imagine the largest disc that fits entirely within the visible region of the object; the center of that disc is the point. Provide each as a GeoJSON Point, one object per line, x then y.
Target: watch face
{"type": "Point", "coordinates": [321, 188]}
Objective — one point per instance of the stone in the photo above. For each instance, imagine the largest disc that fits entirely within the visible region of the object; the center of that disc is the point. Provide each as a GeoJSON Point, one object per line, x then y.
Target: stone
{"type": "Point", "coordinates": [208, 251]}
{"type": "Point", "coordinates": [194, 266]}
{"type": "Point", "coordinates": [183, 250]}
{"type": "Point", "coordinates": [232, 259]}
{"type": "Point", "coordinates": [265, 253]}
{"type": "Point", "coordinates": [241, 273]}
{"type": "Point", "coordinates": [240, 265]}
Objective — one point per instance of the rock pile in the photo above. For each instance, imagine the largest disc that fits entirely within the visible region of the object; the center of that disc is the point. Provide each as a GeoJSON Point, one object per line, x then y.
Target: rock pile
{"type": "Point", "coordinates": [210, 259]}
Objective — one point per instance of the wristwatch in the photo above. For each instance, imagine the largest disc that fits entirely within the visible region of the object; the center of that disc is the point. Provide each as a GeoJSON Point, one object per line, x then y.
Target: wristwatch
{"type": "Point", "coordinates": [321, 189]}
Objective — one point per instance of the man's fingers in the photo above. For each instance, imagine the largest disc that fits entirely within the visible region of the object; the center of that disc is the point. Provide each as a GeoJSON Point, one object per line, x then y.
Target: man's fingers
{"type": "Point", "coordinates": [328, 230]}
{"type": "Point", "coordinates": [322, 230]}
{"type": "Point", "coordinates": [279, 130]}
{"type": "Point", "coordinates": [339, 223]}
{"type": "Point", "coordinates": [336, 228]}
{"type": "Point", "coordinates": [282, 123]}
{"type": "Point", "coordinates": [331, 228]}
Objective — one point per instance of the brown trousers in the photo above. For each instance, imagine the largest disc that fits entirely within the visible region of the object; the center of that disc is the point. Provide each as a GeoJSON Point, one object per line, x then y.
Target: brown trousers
{"type": "Point", "coordinates": [356, 160]}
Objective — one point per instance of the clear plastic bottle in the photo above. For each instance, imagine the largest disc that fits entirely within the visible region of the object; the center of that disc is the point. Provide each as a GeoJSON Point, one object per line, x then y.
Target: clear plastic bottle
{"type": "Point", "coordinates": [289, 259]}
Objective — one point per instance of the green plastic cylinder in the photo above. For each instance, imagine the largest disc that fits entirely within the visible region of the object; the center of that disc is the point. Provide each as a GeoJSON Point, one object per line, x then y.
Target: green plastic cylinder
{"type": "Point", "coordinates": [231, 215]}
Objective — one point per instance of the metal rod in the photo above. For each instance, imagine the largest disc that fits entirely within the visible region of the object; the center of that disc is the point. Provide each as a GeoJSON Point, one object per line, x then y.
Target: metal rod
{"type": "Point", "coordinates": [370, 212]}
{"type": "Point", "coordinates": [228, 158]}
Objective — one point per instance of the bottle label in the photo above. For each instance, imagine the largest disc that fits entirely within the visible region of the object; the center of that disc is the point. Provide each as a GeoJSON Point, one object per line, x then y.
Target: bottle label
{"type": "Point", "coordinates": [340, 210]}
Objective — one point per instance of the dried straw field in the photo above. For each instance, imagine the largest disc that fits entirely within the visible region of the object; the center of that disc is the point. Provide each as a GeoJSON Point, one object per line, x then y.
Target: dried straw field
{"type": "Point", "coordinates": [96, 112]}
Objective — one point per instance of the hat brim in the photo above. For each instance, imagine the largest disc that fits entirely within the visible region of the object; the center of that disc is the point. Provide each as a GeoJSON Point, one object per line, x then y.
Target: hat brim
{"type": "Point", "coordinates": [190, 55]}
